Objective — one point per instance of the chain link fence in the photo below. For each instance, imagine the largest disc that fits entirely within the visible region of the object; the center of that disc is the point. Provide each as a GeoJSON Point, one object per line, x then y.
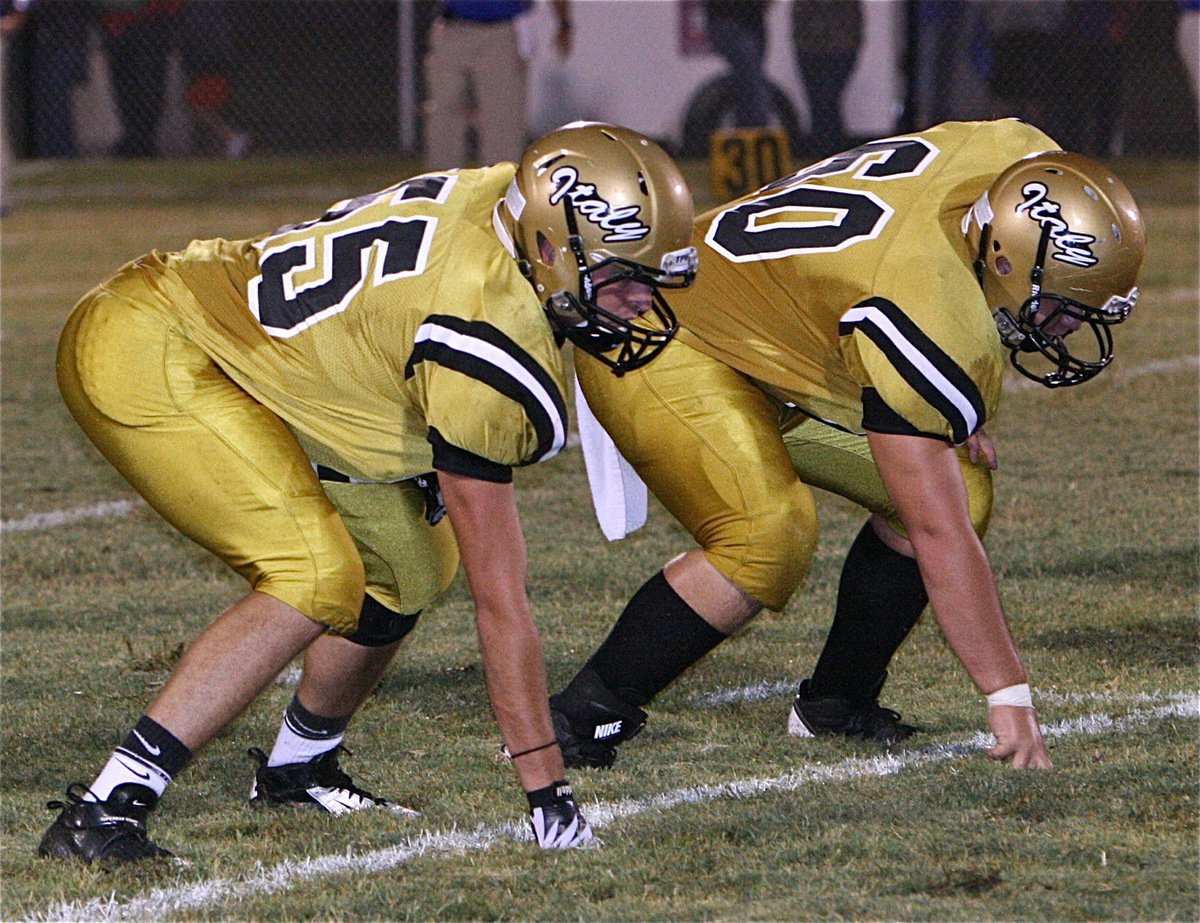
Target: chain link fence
{"type": "Point", "coordinates": [240, 78]}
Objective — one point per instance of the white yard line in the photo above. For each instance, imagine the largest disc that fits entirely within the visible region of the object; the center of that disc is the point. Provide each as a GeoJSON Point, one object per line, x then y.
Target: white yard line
{"type": "Point", "coordinates": [755, 692]}
{"type": "Point", "coordinates": [1115, 374]}
{"type": "Point", "coordinates": [765, 690]}
{"type": "Point", "coordinates": [162, 902]}
{"type": "Point", "coordinates": [38, 522]}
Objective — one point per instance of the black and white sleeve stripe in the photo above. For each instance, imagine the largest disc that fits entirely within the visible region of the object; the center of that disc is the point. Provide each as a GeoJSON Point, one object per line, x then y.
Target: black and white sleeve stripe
{"type": "Point", "coordinates": [481, 351]}
{"type": "Point", "coordinates": [921, 363]}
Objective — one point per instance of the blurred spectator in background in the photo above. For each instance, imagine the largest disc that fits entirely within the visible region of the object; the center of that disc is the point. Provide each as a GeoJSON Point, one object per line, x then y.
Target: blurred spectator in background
{"type": "Point", "coordinates": [1187, 36]}
{"type": "Point", "coordinates": [1027, 76]}
{"type": "Point", "coordinates": [139, 37]}
{"type": "Point", "coordinates": [58, 64]}
{"type": "Point", "coordinates": [1093, 49]}
{"type": "Point", "coordinates": [12, 20]}
{"type": "Point", "coordinates": [205, 37]}
{"type": "Point", "coordinates": [827, 35]}
{"type": "Point", "coordinates": [476, 80]}
{"type": "Point", "coordinates": [938, 23]}
{"type": "Point", "coordinates": [137, 42]}
{"type": "Point", "coordinates": [737, 31]}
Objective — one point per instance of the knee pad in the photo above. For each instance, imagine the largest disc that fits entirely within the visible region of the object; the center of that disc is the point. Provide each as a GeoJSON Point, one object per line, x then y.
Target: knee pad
{"type": "Point", "coordinates": [379, 626]}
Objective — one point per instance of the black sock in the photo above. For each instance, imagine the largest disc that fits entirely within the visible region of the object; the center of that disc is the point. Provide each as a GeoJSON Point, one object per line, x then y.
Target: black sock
{"type": "Point", "coordinates": [149, 756]}
{"type": "Point", "coordinates": [152, 743]}
{"type": "Point", "coordinates": [657, 637]}
{"type": "Point", "coordinates": [313, 726]}
{"type": "Point", "coordinates": [880, 597]}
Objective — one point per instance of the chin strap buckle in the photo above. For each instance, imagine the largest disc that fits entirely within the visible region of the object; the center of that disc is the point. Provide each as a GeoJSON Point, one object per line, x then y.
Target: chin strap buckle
{"type": "Point", "coordinates": [1010, 331]}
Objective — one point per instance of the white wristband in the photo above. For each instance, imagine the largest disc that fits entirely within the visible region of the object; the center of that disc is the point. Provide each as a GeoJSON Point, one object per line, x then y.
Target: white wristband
{"type": "Point", "coordinates": [1011, 695]}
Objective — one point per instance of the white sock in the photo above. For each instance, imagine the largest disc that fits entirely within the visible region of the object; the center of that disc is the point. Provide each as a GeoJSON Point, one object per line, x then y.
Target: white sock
{"type": "Point", "coordinates": [291, 747]}
{"type": "Point", "coordinates": [124, 767]}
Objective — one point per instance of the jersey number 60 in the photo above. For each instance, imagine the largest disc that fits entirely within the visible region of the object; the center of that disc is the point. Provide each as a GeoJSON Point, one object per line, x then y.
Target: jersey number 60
{"type": "Point", "coordinates": [792, 216]}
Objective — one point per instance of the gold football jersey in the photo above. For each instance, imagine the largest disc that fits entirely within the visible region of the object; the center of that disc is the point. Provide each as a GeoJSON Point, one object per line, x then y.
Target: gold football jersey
{"type": "Point", "coordinates": [847, 289]}
{"type": "Point", "coordinates": [394, 321]}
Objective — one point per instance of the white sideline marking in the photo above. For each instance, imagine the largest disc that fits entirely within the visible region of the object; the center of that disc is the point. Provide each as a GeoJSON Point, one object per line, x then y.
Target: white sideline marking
{"type": "Point", "coordinates": [755, 692]}
{"type": "Point", "coordinates": [1116, 374]}
{"type": "Point", "coordinates": [289, 677]}
{"type": "Point", "coordinates": [162, 902]}
{"type": "Point", "coordinates": [38, 521]}
{"type": "Point", "coordinates": [765, 690]}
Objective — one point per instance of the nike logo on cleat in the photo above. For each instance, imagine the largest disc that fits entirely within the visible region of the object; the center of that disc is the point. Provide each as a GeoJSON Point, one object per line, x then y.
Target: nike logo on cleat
{"type": "Point", "coordinates": [607, 730]}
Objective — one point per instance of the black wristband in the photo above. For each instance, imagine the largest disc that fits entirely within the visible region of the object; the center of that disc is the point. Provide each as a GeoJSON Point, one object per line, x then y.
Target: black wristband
{"type": "Point", "coordinates": [554, 793]}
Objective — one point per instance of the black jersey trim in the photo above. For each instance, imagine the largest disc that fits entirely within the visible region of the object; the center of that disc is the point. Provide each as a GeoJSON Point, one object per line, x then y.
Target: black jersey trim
{"type": "Point", "coordinates": [481, 351]}
{"type": "Point", "coordinates": [455, 460]}
{"type": "Point", "coordinates": [878, 417]}
{"type": "Point", "coordinates": [923, 364]}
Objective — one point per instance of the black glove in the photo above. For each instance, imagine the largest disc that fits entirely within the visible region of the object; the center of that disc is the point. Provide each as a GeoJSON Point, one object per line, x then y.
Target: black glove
{"type": "Point", "coordinates": [555, 819]}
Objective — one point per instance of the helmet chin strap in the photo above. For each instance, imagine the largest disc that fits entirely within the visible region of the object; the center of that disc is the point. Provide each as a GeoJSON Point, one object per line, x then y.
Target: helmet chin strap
{"type": "Point", "coordinates": [980, 265]}
{"type": "Point", "coordinates": [1038, 273]}
{"type": "Point", "coordinates": [575, 240]}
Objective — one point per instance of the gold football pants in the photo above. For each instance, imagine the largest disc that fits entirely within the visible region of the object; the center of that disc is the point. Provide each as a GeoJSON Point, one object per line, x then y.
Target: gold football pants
{"type": "Point", "coordinates": [228, 473]}
{"type": "Point", "coordinates": [735, 472]}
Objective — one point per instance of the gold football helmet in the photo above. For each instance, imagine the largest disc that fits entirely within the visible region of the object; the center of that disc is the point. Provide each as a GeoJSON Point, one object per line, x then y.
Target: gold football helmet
{"type": "Point", "coordinates": [1059, 241]}
{"type": "Point", "coordinates": [592, 196]}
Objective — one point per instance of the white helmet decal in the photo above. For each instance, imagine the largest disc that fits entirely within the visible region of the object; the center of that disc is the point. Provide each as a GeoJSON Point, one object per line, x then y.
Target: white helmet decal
{"type": "Point", "coordinates": [1069, 246]}
{"type": "Point", "coordinates": [595, 208]}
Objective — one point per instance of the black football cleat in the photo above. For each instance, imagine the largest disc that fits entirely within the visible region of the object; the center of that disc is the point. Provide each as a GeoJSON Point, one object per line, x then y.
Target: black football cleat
{"type": "Point", "coordinates": [320, 783]}
{"type": "Point", "coordinates": [112, 831]}
{"type": "Point", "coordinates": [832, 716]}
{"type": "Point", "coordinates": [590, 720]}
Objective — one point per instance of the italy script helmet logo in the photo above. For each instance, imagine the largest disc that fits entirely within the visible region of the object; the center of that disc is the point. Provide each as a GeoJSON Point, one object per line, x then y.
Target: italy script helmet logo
{"type": "Point", "coordinates": [1069, 246]}
{"type": "Point", "coordinates": [618, 223]}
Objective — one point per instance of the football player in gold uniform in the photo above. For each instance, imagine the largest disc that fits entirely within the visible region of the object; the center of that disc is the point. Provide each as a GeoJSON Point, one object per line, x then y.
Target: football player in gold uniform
{"type": "Point", "coordinates": [293, 403]}
{"type": "Point", "coordinates": [849, 331]}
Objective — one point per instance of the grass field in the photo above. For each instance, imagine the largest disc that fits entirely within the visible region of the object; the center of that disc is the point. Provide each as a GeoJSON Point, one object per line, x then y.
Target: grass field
{"type": "Point", "coordinates": [713, 813]}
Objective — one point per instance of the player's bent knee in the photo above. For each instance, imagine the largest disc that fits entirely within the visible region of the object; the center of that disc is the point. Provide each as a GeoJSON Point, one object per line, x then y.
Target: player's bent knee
{"type": "Point", "coordinates": [772, 561]}
{"type": "Point", "coordinates": [379, 626]}
{"type": "Point", "coordinates": [327, 588]}
{"type": "Point", "coordinates": [340, 593]}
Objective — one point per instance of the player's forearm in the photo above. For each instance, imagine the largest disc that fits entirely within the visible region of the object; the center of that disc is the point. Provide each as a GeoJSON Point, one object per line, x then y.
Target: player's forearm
{"type": "Point", "coordinates": [488, 531]}
{"type": "Point", "coordinates": [962, 593]}
{"type": "Point", "coordinates": [516, 682]}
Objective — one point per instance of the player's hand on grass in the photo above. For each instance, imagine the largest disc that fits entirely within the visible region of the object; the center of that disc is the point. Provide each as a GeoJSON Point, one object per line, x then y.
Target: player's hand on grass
{"type": "Point", "coordinates": [1018, 737]}
{"type": "Point", "coordinates": [555, 818]}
